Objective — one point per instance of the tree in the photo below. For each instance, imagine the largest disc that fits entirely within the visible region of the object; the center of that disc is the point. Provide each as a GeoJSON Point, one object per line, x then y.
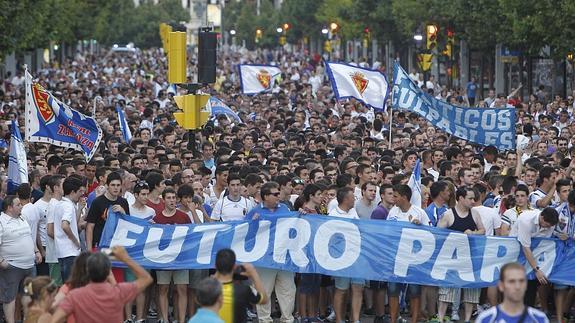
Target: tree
{"type": "Point", "coordinates": [301, 15]}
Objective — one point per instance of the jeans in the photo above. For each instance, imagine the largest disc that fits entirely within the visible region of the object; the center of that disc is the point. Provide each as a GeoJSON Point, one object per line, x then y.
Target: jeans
{"type": "Point", "coordinates": [66, 267]}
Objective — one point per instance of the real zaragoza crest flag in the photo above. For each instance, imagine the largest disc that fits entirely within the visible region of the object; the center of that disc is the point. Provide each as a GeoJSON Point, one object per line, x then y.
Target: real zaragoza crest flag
{"type": "Point", "coordinates": [258, 78]}
{"type": "Point", "coordinates": [365, 85]}
{"type": "Point", "coordinates": [50, 121]}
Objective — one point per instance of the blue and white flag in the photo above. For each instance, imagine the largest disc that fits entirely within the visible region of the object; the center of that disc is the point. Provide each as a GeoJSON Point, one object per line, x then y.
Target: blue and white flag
{"type": "Point", "coordinates": [415, 184]}
{"type": "Point", "coordinates": [219, 107]}
{"type": "Point", "coordinates": [256, 79]}
{"type": "Point", "coordinates": [50, 121]}
{"type": "Point", "coordinates": [365, 85]}
{"type": "Point", "coordinates": [126, 133]}
{"type": "Point", "coordinates": [388, 251]}
{"type": "Point", "coordinates": [483, 126]}
{"type": "Point", "coordinates": [17, 163]}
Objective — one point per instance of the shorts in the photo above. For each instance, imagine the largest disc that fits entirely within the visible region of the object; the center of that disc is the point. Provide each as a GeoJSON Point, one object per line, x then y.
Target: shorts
{"type": "Point", "coordinates": [326, 281]}
{"type": "Point", "coordinates": [11, 282]}
{"type": "Point", "coordinates": [309, 283]}
{"type": "Point", "coordinates": [196, 276]}
{"type": "Point", "coordinates": [449, 295]}
{"type": "Point", "coordinates": [180, 277]}
{"type": "Point", "coordinates": [377, 285]}
{"type": "Point", "coordinates": [343, 283]}
{"type": "Point", "coordinates": [129, 275]}
{"type": "Point", "coordinates": [394, 289]}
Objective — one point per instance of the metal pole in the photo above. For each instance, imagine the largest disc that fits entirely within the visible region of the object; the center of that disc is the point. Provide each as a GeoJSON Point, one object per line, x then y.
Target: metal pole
{"type": "Point", "coordinates": [390, 124]}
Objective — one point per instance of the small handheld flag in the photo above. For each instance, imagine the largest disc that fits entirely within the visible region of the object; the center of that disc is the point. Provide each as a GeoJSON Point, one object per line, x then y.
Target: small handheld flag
{"type": "Point", "coordinates": [126, 133]}
{"type": "Point", "coordinates": [17, 163]}
{"type": "Point", "coordinates": [415, 185]}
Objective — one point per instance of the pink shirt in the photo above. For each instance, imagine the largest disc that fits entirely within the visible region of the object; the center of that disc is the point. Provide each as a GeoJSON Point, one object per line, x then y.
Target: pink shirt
{"type": "Point", "coordinates": [99, 302]}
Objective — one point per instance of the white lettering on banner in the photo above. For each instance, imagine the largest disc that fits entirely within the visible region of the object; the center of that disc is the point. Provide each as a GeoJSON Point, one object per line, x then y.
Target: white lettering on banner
{"type": "Point", "coordinates": [493, 263]}
{"type": "Point", "coordinates": [488, 120]}
{"type": "Point", "coordinates": [456, 244]}
{"type": "Point", "coordinates": [152, 249]}
{"type": "Point", "coordinates": [545, 255]}
{"type": "Point", "coordinates": [407, 256]}
{"type": "Point", "coordinates": [120, 237]}
{"type": "Point", "coordinates": [283, 243]}
{"type": "Point", "coordinates": [261, 243]}
{"type": "Point", "coordinates": [207, 241]}
{"type": "Point", "coordinates": [323, 235]}
{"type": "Point", "coordinates": [467, 122]}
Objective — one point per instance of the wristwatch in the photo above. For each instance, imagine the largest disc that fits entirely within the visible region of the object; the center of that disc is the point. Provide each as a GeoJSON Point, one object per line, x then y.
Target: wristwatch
{"type": "Point", "coordinates": [537, 268]}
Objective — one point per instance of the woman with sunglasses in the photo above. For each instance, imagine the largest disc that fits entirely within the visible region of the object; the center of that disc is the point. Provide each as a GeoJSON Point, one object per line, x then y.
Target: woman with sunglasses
{"type": "Point", "coordinates": [42, 290]}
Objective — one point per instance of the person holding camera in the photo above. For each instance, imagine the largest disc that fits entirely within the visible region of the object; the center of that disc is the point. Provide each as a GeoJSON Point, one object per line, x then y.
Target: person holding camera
{"type": "Point", "coordinates": [100, 301]}
{"type": "Point", "coordinates": [237, 295]}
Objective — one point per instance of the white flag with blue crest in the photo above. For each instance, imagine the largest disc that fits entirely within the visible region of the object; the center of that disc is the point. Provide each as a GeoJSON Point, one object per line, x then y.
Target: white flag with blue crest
{"type": "Point", "coordinates": [365, 85]}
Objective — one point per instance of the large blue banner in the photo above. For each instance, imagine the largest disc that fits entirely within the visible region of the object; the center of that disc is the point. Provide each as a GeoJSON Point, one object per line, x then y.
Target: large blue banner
{"type": "Point", "coordinates": [369, 249]}
{"type": "Point", "coordinates": [51, 121]}
{"type": "Point", "coordinates": [483, 126]}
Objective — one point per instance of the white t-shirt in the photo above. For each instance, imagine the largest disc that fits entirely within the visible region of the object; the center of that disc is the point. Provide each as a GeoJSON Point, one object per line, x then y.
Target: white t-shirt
{"type": "Point", "coordinates": [147, 213]}
{"type": "Point", "coordinates": [31, 216]}
{"type": "Point", "coordinates": [339, 213]}
{"type": "Point", "coordinates": [199, 214]}
{"type": "Point", "coordinates": [490, 219]}
{"type": "Point", "coordinates": [42, 210]}
{"type": "Point", "coordinates": [51, 257]}
{"type": "Point", "coordinates": [414, 213]}
{"type": "Point", "coordinates": [16, 245]}
{"type": "Point", "coordinates": [527, 227]}
{"type": "Point", "coordinates": [66, 212]}
{"type": "Point", "coordinates": [228, 210]}
{"type": "Point", "coordinates": [130, 198]}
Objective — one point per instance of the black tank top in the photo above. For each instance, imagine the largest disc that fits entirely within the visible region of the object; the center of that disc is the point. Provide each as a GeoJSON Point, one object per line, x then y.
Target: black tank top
{"type": "Point", "coordinates": [461, 224]}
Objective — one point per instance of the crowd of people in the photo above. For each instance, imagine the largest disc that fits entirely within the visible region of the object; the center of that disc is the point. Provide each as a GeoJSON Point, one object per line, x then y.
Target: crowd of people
{"type": "Point", "coordinates": [296, 148]}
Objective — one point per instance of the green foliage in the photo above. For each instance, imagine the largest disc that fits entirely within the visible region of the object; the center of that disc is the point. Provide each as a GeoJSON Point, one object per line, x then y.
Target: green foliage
{"type": "Point", "coordinates": [27, 24]}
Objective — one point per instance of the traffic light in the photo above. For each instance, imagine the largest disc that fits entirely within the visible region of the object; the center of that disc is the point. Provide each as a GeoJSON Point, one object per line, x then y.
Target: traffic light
{"type": "Point", "coordinates": [449, 44]}
{"type": "Point", "coordinates": [431, 32]}
{"type": "Point", "coordinates": [165, 30]}
{"type": "Point", "coordinates": [259, 34]}
{"type": "Point", "coordinates": [366, 34]}
{"type": "Point", "coordinates": [570, 56]}
{"type": "Point", "coordinates": [334, 27]}
{"type": "Point", "coordinates": [286, 27]}
{"type": "Point", "coordinates": [177, 57]}
{"type": "Point", "coordinates": [195, 113]}
{"type": "Point", "coordinates": [424, 61]}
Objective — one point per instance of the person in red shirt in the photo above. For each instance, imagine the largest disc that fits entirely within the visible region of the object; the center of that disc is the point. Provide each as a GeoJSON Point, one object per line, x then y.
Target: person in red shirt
{"type": "Point", "coordinates": [181, 278]}
{"type": "Point", "coordinates": [156, 183]}
{"type": "Point", "coordinates": [100, 301]}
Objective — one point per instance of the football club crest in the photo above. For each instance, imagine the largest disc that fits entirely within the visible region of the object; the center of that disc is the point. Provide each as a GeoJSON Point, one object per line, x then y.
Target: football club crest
{"type": "Point", "coordinates": [41, 100]}
{"type": "Point", "coordinates": [359, 81]}
{"type": "Point", "coordinates": [264, 78]}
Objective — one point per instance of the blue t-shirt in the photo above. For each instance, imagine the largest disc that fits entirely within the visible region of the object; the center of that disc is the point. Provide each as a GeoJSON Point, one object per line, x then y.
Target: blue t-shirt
{"type": "Point", "coordinates": [262, 210]}
{"type": "Point", "coordinates": [496, 315]}
{"type": "Point", "coordinates": [435, 213]}
{"type": "Point", "coordinates": [471, 88]}
{"type": "Point", "coordinates": [205, 316]}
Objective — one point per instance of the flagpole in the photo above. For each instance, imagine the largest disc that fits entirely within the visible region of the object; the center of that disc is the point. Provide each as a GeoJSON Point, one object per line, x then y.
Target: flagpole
{"type": "Point", "coordinates": [390, 123]}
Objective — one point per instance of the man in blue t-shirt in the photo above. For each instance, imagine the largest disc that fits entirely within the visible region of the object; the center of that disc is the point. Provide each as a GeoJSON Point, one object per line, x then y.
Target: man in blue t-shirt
{"type": "Point", "coordinates": [471, 89]}
{"type": "Point", "coordinates": [439, 193]}
{"type": "Point", "coordinates": [513, 285]}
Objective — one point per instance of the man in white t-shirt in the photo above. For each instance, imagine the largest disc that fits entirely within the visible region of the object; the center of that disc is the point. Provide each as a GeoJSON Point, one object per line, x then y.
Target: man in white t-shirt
{"type": "Point", "coordinates": [345, 209]}
{"type": "Point", "coordinates": [55, 185]}
{"type": "Point", "coordinates": [66, 236]}
{"type": "Point", "coordinates": [233, 206]}
{"type": "Point", "coordinates": [41, 207]}
{"type": "Point", "coordinates": [139, 209]}
{"type": "Point", "coordinates": [17, 254]}
{"type": "Point", "coordinates": [405, 212]}
{"type": "Point", "coordinates": [489, 216]}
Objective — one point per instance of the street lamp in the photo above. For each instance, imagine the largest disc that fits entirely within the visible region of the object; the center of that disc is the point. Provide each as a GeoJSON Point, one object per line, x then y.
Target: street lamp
{"type": "Point", "coordinates": [232, 32]}
{"type": "Point", "coordinates": [324, 31]}
{"type": "Point", "coordinates": [418, 37]}
{"type": "Point", "coordinates": [279, 30]}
